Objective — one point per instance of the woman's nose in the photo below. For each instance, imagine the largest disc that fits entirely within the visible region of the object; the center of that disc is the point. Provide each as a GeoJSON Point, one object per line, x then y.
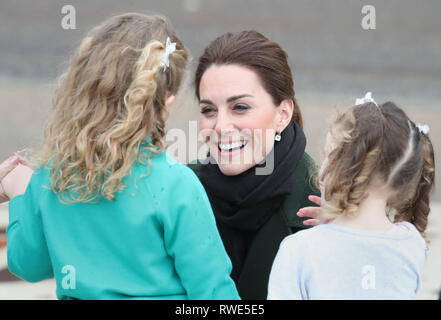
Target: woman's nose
{"type": "Point", "coordinates": [224, 123]}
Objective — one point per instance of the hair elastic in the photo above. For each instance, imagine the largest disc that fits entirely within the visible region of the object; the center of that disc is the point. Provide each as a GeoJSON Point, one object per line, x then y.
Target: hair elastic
{"type": "Point", "coordinates": [367, 98]}
{"type": "Point", "coordinates": [423, 128]}
{"type": "Point", "coordinates": [170, 47]}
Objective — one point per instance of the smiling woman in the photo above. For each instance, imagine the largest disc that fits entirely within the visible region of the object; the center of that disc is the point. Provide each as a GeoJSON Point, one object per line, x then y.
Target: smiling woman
{"type": "Point", "coordinates": [250, 119]}
{"type": "Point", "coordinates": [242, 114]}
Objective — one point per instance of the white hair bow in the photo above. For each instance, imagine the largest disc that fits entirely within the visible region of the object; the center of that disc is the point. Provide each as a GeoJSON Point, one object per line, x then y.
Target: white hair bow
{"type": "Point", "coordinates": [367, 98]}
{"type": "Point", "coordinates": [170, 47]}
{"type": "Point", "coordinates": [423, 128]}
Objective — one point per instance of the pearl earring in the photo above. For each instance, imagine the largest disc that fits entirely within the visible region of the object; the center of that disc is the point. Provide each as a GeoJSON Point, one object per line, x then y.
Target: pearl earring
{"type": "Point", "coordinates": [277, 137]}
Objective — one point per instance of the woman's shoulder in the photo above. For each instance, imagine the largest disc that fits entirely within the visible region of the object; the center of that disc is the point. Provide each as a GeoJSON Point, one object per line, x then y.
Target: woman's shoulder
{"type": "Point", "coordinates": [306, 167]}
{"type": "Point", "coordinates": [303, 186]}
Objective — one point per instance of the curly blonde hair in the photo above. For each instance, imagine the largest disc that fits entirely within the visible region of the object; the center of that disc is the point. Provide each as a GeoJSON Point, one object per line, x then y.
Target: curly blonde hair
{"type": "Point", "coordinates": [110, 107]}
{"type": "Point", "coordinates": [372, 144]}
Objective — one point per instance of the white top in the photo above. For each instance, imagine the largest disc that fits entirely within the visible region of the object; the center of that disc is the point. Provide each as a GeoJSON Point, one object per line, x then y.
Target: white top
{"type": "Point", "coordinates": [330, 261]}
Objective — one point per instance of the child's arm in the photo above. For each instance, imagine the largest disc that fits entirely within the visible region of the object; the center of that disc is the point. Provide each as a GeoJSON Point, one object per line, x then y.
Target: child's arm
{"type": "Point", "coordinates": [27, 251]}
{"type": "Point", "coordinates": [192, 240]}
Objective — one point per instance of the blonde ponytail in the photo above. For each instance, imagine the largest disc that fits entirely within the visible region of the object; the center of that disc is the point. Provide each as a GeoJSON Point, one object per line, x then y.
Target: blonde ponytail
{"type": "Point", "coordinates": [143, 118]}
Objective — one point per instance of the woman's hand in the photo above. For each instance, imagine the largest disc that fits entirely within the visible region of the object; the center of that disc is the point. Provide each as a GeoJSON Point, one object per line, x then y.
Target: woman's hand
{"type": "Point", "coordinates": [312, 212]}
{"type": "Point", "coordinates": [15, 175]}
{"type": "Point", "coordinates": [5, 167]}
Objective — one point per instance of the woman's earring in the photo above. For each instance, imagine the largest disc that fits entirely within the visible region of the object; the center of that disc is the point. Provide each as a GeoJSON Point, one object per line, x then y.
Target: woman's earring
{"type": "Point", "coordinates": [277, 137]}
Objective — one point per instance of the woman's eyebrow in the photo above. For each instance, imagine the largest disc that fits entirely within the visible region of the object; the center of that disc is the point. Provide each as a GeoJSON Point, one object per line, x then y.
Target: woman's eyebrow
{"type": "Point", "coordinates": [205, 101]}
{"type": "Point", "coordinates": [231, 99]}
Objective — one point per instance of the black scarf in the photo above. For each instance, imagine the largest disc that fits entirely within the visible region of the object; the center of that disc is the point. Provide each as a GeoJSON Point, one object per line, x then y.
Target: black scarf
{"type": "Point", "coordinates": [244, 202]}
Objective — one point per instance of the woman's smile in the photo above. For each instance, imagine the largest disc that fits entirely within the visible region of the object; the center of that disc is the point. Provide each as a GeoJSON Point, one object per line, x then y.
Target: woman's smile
{"type": "Point", "coordinates": [231, 147]}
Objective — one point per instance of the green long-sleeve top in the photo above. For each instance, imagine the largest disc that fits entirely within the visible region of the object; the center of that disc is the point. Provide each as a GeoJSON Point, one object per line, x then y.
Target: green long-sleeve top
{"type": "Point", "coordinates": [157, 240]}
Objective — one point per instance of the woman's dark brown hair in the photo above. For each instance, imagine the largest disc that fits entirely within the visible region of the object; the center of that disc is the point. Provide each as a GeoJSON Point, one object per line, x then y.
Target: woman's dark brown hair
{"type": "Point", "coordinates": [253, 50]}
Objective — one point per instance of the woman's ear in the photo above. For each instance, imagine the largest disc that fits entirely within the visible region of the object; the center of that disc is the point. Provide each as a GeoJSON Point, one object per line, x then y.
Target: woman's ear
{"type": "Point", "coordinates": [284, 114]}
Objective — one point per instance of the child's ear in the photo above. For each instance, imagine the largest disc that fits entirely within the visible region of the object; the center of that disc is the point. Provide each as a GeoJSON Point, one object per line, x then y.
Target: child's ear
{"type": "Point", "coordinates": [169, 100]}
{"type": "Point", "coordinates": [284, 114]}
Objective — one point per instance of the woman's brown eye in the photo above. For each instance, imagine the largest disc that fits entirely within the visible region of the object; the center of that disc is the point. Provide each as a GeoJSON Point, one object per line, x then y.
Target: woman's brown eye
{"type": "Point", "coordinates": [241, 107]}
{"type": "Point", "coordinates": [206, 110]}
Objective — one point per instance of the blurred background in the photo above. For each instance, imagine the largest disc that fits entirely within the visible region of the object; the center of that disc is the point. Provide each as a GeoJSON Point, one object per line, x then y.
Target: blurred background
{"type": "Point", "coordinates": [333, 59]}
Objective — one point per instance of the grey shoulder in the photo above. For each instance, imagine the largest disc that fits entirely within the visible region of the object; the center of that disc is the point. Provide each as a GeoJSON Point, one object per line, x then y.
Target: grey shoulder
{"type": "Point", "coordinates": [416, 234]}
{"type": "Point", "coordinates": [300, 237]}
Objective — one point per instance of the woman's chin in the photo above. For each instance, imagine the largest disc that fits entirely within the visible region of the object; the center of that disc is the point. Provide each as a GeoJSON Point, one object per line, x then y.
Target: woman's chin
{"type": "Point", "coordinates": [233, 169]}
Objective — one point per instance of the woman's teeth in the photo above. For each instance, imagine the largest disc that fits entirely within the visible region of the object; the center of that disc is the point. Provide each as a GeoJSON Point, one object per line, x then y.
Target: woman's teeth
{"type": "Point", "coordinates": [231, 146]}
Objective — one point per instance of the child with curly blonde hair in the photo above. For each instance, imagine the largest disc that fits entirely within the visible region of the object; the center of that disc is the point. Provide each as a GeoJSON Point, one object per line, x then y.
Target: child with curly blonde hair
{"type": "Point", "coordinates": [375, 182]}
{"type": "Point", "coordinates": [108, 212]}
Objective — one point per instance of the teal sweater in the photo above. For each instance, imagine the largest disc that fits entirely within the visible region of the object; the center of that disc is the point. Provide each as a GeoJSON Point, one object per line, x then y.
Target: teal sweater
{"type": "Point", "coordinates": [157, 240]}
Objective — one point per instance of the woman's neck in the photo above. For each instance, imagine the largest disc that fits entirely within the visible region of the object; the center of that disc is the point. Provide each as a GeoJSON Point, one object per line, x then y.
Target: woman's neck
{"type": "Point", "coordinates": [370, 216]}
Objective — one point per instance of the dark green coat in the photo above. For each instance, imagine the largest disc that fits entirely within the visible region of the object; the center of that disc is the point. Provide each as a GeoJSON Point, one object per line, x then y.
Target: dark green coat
{"type": "Point", "coordinates": [253, 280]}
